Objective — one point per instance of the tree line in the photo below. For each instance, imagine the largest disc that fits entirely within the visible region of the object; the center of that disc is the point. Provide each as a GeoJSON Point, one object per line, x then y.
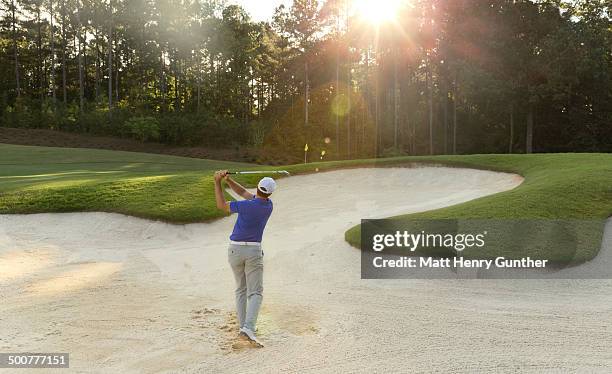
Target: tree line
{"type": "Point", "coordinates": [443, 77]}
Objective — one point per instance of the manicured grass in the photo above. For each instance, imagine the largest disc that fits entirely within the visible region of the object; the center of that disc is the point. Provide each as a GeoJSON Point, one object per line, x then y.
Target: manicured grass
{"type": "Point", "coordinates": [180, 190]}
{"type": "Point", "coordinates": [574, 187]}
{"type": "Point", "coordinates": [42, 179]}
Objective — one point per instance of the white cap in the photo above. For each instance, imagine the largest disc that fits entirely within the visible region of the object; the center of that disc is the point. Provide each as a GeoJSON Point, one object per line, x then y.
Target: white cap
{"type": "Point", "coordinates": [266, 185]}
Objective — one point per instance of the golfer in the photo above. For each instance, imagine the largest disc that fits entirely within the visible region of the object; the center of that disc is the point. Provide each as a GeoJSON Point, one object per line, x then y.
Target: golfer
{"type": "Point", "coordinates": [245, 253]}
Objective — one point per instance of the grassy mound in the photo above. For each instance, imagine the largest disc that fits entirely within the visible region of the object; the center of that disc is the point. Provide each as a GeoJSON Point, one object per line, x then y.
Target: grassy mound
{"type": "Point", "coordinates": [41, 179]}
{"type": "Point", "coordinates": [556, 186]}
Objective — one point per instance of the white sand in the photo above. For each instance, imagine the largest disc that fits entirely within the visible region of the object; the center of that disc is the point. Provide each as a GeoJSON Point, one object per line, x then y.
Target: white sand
{"type": "Point", "coordinates": [129, 295]}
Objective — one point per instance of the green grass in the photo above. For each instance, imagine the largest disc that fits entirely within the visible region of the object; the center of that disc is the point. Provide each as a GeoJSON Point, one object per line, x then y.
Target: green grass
{"type": "Point", "coordinates": [180, 190]}
{"type": "Point", "coordinates": [41, 179]}
{"type": "Point", "coordinates": [576, 187]}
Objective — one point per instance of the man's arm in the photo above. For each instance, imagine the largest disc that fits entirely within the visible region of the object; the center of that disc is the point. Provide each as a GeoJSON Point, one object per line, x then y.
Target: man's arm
{"type": "Point", "coordinates": [237, 187]}
{"type": "Point", "coordinates": [219, 197]}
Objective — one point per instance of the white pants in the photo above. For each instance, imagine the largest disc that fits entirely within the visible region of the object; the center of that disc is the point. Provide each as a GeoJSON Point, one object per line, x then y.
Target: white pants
{"type": "Point", "coordinates": [247, 264]}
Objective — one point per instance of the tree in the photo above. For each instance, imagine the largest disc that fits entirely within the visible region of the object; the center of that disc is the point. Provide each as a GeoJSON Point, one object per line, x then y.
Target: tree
{"type": "Point", "coordinates": [455, 77]}
{"type": "Point", "coordinates": [300, 24]}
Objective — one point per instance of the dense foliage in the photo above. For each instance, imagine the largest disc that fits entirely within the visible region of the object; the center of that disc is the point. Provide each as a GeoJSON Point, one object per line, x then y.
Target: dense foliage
{"type": "Point", "coordinates": [461, 76]}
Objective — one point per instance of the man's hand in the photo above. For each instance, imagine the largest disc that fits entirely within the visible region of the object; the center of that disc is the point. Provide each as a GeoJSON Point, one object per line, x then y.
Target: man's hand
{"type": "Point", "coordinates": [220, 199]}
{"type": "Point", "coordinates": [220, 175]}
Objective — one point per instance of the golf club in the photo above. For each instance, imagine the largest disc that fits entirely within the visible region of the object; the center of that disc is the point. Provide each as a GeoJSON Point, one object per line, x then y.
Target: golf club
{"type": "Point", "coordinates": [284, 172]}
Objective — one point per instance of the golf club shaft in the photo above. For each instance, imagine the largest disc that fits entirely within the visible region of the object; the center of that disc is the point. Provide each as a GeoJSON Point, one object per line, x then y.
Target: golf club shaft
{"type": "Point", "coordinates": [260, 172]}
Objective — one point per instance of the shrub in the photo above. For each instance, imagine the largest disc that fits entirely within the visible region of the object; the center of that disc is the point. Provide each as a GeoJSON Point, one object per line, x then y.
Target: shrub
{"type": "Point", "coordinates": [258, 132]}
{"type": "Point", "coordinates": [19, 115]}
{"type": "Point", "coordinates": [143, 128]}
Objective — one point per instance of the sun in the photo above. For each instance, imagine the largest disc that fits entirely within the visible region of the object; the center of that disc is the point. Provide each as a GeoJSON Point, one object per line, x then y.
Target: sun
{"type": "Point", "coordinates": [377, 11]}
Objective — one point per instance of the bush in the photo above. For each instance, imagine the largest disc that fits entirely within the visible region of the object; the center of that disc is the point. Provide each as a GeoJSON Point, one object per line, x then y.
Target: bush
{"type": "Point", "coordinates": [94, 121]}
{"type": "Point", "coordinates": [143, 128]}
{"type": "Point", "coordinates": [199, 129]}
{"type": "Point", "coordinates": [19, 115]}
{"type": "Point", "coordinates": [177, 129]}
{"type": "Point", "coordinates": [258, 132]}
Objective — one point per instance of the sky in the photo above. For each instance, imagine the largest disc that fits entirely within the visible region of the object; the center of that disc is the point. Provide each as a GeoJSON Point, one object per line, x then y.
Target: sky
{"type": "Point", "coordinates": [260, 10]}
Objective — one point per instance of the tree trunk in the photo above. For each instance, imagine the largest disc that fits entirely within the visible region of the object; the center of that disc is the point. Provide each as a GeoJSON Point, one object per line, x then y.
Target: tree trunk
{"type": "Point", "coordinates": [529, 138]}
{"type": "Point", "coordinates": [349, 87]}
{"type": "Point", "coordinates": [376, 116]}
{"type": "Point", "coordinates": [110, 65]}
{"type": "Point", "coordinates": [52, 46]}
{"type": "Point", "coordinates": [430, 100]}
{"type": "Point", "coordinates": [176, 78]}
{"type": "Point", "coordinates": [80, 58]}
{"type": "Point", "coordinates": [162, 85]}
{"type": "Point", "coordinates": [445, 103]}
{"type": "Point", "coordinates": [413, 122]}
{"type": "Point", "coordinates": [199, 92]}
{"type": "Point", "coordinates": [64, 45]}
{"type": "Point", "coordinates": [85, 61]}
{"type": "Point", "coordinates": [306, 93]}
{"type": "Point", "coordinates": [116, 76]}
{"type": "Point", "coordinates": [81, 87]}
{"type": "Point", "coordinates": [337, 101]}
{"type": "Point", "coordinates": [337, 88]}
{"type": "Point", "coordinates": [199, 65]}
{"type": "Point", "coordinates": [292, 109]}
{"type": "Point", "coordinates": [41, 76]}
{"type": "Point", "coordinates": [98, 72]}
{"type": "Point", "coordinates": [16, 49]}
{"type": "Point", "coordinates": [406, 127]}
{"type": "Point", "coordinates": [143, 73]}
{"type": "Point", "coordinates": [396, 105]}
{"type": "Point", "coordinates": [266, 96]}
{"type": "Point", "coordinates": [455, 117]}
{"type": "Point", "coordinates": [511, 140]}
{"type": "Point", "coordinates": [348, 113]}
{"type": "Point", "coordinates": [366, 95]}
{"type": "Point", "coordinates": [218, 83]}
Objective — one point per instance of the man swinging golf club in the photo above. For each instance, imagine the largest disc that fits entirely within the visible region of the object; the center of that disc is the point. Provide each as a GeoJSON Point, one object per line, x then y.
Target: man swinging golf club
{"type": "Point", "coordinates": [245, 254]}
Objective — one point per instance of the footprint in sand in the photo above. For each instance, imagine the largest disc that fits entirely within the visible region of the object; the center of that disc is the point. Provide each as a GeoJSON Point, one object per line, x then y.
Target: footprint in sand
{"type": "Point", "coordinates": [276, 322]}
{"type": "Point", "coordinates": [234, 342]}
{"type": "Point", "coordinates": [200, 313]}
{"type": "Point", "coordinates": [279, 319]}
{"type": "Point", "coordinates": [242, 342]}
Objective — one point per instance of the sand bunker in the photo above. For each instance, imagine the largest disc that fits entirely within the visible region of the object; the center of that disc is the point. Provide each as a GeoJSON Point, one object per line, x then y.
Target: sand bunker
{"type": "Point", "coordinates": [123, 294]}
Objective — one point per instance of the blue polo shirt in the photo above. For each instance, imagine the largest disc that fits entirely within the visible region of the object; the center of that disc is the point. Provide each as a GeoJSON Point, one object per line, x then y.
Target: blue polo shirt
{"type": "Point", "coordinates": [252, 218]}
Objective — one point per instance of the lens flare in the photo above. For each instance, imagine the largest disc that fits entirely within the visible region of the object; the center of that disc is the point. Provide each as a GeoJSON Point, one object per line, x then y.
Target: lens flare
{"type": "Point", "coordinates": [377, 11]}
{"type": "Point", "coordinates": [340, 105]}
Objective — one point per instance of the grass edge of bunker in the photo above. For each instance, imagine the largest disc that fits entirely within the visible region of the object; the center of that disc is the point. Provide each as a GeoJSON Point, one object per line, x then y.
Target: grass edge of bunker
{"type": "Point", "coordinates": [555, 187]}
